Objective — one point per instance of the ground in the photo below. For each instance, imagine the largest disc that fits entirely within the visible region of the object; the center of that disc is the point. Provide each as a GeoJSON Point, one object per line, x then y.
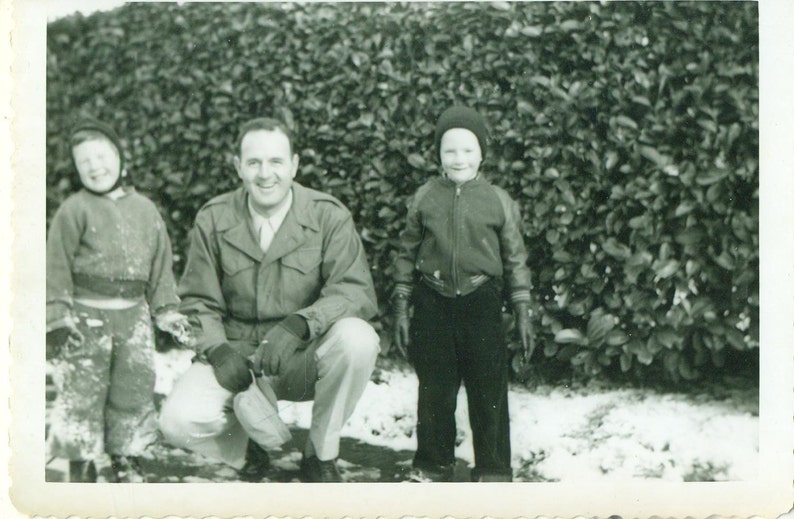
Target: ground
{"type": "Point", "coordinates": [558, 433]}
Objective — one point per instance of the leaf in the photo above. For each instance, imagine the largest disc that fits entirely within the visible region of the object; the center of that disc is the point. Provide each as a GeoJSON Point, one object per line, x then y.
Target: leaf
{"type": "Point", "coordinates": [666, 337]}
{"type": "Point", "coordinates": [567, 352]}
{"type": "Point", "coordinates": [615, 249]}
{"type": "Point", "coordinates": [550, 349]}
{"type": "Point", "coordinates": [570, 25]}
{"type": "Point", "coordinates": [735, 338]}
{"type": "Point", "coordinates": [616, 338]}
{"type": "Point", "coordinates": [580, 358]}
{"type": "Point", "coordinates": [611, 160]}
{"type": "Point", "coordinates": [725, 260]}
{"type": "Point", "coordinates": [569, 336]}
{"type": "Point", "coordinates": [690, 236]}
{"type": "Point", "coordinates": [628, 122]}
{"type": "Point", "coordinates": [708, 125]}
{"type": "Point", "coordinates": [684, 208]}
{"type": "Point", "coordinates": [625, 362]}
{"type": "Point", "coordinates": [598, 327]}
{"type": "Point", "coordinates": [639, 222]}
{"type": "Point", "coordinates": [416, 160]}
{"type": "Point", "coordinates": [532, 30]}
{"type": "Point", "coordinates": [665, 269]}
{"type": "Point", "coordinates": [654, 156]}
{"type": "Point", "coordinates": [644, 357]}
{"type": "Point", "coordinates": [686, 370]}
{"type": "Point", "coordinates": [710, 177]}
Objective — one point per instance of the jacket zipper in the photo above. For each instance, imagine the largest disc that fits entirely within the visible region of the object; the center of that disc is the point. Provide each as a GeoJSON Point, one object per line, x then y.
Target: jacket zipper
{"type": "Point", "coordinates": [455, 239]}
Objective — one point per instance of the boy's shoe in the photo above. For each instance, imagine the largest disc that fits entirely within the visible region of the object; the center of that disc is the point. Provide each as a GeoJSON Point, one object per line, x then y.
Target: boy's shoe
{"type": "Point", "coordinates": [127, 469]}
{"type": "Point", "coordinates": [257, 464]}
{"type": "Point", "coordinates": [492, 478]}
{"type": "Point", "coordinates": [314, 470]}
{"type": "Point", "coordinates": [81, 471]}
{"type": "Point", "coordinates": [442, 474]}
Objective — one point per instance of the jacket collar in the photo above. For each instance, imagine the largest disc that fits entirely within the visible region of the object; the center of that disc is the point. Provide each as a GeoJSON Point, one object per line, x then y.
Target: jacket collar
{"type": "Point", "coordinates": [238, 232]}
{"type": "Point", "coordinates": [476, 181]}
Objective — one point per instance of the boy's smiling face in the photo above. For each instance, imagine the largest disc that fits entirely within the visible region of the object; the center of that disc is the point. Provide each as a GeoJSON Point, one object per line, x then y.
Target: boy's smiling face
{"type": "Point", "coordinates": [98, 164]}
{"type": "Point", "coordinates": [460, 155]}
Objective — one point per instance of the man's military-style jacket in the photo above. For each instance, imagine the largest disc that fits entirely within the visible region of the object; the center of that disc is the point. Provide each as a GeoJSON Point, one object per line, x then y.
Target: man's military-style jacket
{"type": "Point", "coordinates": [315, 267]}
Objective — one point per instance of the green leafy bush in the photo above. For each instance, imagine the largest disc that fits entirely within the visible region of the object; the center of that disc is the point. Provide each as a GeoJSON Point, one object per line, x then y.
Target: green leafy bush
{"type": "Point", "coordinates": [627, 131]}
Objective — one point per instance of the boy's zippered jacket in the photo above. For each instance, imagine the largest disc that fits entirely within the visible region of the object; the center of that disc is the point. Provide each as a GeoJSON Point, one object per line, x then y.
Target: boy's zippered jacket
{"type": "Point", "coordinates": [457, 237]}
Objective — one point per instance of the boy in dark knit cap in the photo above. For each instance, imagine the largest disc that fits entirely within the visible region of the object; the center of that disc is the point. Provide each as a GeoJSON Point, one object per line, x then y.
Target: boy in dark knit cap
{"type": "Point", "coordinates": [108, 273]}
{"type": "Point", "coordinates": [461, 245]}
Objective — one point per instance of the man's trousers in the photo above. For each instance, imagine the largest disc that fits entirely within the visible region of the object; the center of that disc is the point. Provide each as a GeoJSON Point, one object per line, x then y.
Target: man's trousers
{"type": "Point", "coordinates": [333, 371]}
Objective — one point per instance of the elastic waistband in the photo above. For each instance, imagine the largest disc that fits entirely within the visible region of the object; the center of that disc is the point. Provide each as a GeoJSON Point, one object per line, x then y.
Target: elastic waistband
{"type": "Point", "coordinates": [470, 284]}
{"type": "Point", "coordinates": [87, 285]}
{"type": "Point", "coordinates": [111, 303]}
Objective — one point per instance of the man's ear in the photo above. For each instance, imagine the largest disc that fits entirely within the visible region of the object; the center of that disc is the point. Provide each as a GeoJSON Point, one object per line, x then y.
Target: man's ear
{"type": "Point", "coordinates": [295, 162]}
{"type": "Point", "coordinates": [236, 161]}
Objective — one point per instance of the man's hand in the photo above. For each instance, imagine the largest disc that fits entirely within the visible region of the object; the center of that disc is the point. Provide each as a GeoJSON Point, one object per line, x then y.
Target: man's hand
{"type": "Point", "coordinates": [402, 325]}
{"type": "Point", "coordinates": [231, 369]}
{"type": "Point", "coordinates": [524, 328]}
{"type": "Point", "coordinates": [279, 344]}
{"type": "Point", "coordinates": [64, 337]}
{"type": "Point", "coordinates": [177, 325]}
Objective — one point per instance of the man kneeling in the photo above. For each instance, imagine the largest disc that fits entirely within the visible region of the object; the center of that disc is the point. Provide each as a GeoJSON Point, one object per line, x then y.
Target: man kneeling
{"type": "Point", "coordinates": [277, 278]}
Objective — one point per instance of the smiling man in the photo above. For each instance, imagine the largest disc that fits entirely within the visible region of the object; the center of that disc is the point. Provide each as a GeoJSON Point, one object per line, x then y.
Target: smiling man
{"type": "Point", "coordinates": [277, 278]}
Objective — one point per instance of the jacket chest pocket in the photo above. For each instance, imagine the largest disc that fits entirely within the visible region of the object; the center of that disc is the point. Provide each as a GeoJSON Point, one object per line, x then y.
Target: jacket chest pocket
{"type": "Point", "coordinates": [301, 276]}
{"type": "Point", "coordinates": [239, 282]}
{"type": "Point", "coordinates": [302, 261]}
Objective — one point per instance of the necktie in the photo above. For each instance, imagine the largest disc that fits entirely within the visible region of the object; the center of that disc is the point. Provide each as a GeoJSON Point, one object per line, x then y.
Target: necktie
{"type": "Point", "coordinates": [266, 233]}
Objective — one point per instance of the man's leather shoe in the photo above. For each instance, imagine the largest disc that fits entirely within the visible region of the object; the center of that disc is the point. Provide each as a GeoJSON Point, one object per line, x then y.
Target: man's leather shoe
{"type": "Point", "coordinates": [257, 464]}
{"type": "Point", "coordinates": [314, 470]}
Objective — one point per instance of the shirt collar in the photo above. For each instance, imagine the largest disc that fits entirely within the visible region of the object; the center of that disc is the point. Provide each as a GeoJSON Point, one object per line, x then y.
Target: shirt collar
{"type": "Point", "coordinates": [276, 219]}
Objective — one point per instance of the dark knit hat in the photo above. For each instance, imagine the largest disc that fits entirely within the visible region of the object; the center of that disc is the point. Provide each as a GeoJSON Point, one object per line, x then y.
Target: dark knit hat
{"type": "Point", "coordinates": [462, 117]}
{"type": "Point", "coordinates": [92, 124]}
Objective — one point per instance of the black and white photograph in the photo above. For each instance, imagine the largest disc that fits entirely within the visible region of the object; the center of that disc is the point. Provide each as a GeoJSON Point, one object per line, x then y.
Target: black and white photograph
{"type": "Point", "coordinates": [458, 259]}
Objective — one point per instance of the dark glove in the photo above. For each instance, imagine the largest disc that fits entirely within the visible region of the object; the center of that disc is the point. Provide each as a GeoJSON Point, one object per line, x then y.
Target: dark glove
{"type": "Point", "coordinates": [279, 344]}
{"type": "Point", "coordinates": [65, 337]}
{"type": "Point", "coordinates": [402, 325]}
{"type": "Point", "coordinates": [232, 370]}
{"type": "Point", "coordinates": [526, 334]}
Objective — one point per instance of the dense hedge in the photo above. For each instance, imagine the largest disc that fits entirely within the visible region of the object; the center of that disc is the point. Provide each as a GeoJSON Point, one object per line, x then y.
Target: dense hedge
{"type": "Point", "coordinates": [627, 131]}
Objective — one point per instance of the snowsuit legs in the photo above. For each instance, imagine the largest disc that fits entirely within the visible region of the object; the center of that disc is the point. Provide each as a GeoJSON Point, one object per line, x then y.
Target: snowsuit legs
{"type": "Point", "coordinates": [333, 371]}
{"type": "Point", "coordinates": [454, 340]}
{"type": "Point", "coordinates": [105, 387]}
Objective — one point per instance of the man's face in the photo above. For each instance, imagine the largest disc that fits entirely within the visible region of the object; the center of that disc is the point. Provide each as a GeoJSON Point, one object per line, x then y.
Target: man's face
{"type": "Point", "coordinates": [98, 164]}
{"type": "Point", "coordinates": [460, 155]}
{"type": "Point", "coordinates": [266, 167]}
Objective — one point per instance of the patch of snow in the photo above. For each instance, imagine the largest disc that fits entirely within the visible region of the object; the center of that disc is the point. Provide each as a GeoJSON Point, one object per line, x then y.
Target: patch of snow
{"type": "Point", "coordinates": [168, 367]}
{"type": "Point", "coordinates": [561, 433]}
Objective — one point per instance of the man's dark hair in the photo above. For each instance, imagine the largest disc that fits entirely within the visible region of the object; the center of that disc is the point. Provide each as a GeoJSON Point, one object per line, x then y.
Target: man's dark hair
{"type": "Point", "coordinates": [267, 124]}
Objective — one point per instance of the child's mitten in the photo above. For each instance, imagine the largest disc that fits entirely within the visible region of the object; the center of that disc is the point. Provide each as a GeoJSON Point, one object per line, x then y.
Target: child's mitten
{"type": "Point", "coordinates": [177, 325]}
{"type": "Point", "coordinates": [66, 336]}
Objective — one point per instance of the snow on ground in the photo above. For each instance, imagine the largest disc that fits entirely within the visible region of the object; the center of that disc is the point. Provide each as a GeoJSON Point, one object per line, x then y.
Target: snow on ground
{"type": "Point", "coordinates": [565, 434]}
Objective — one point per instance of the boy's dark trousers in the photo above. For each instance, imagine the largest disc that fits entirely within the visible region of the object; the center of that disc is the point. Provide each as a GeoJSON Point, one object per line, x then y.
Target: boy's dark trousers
{"type": "Point", "coordinates": [454, 340]}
